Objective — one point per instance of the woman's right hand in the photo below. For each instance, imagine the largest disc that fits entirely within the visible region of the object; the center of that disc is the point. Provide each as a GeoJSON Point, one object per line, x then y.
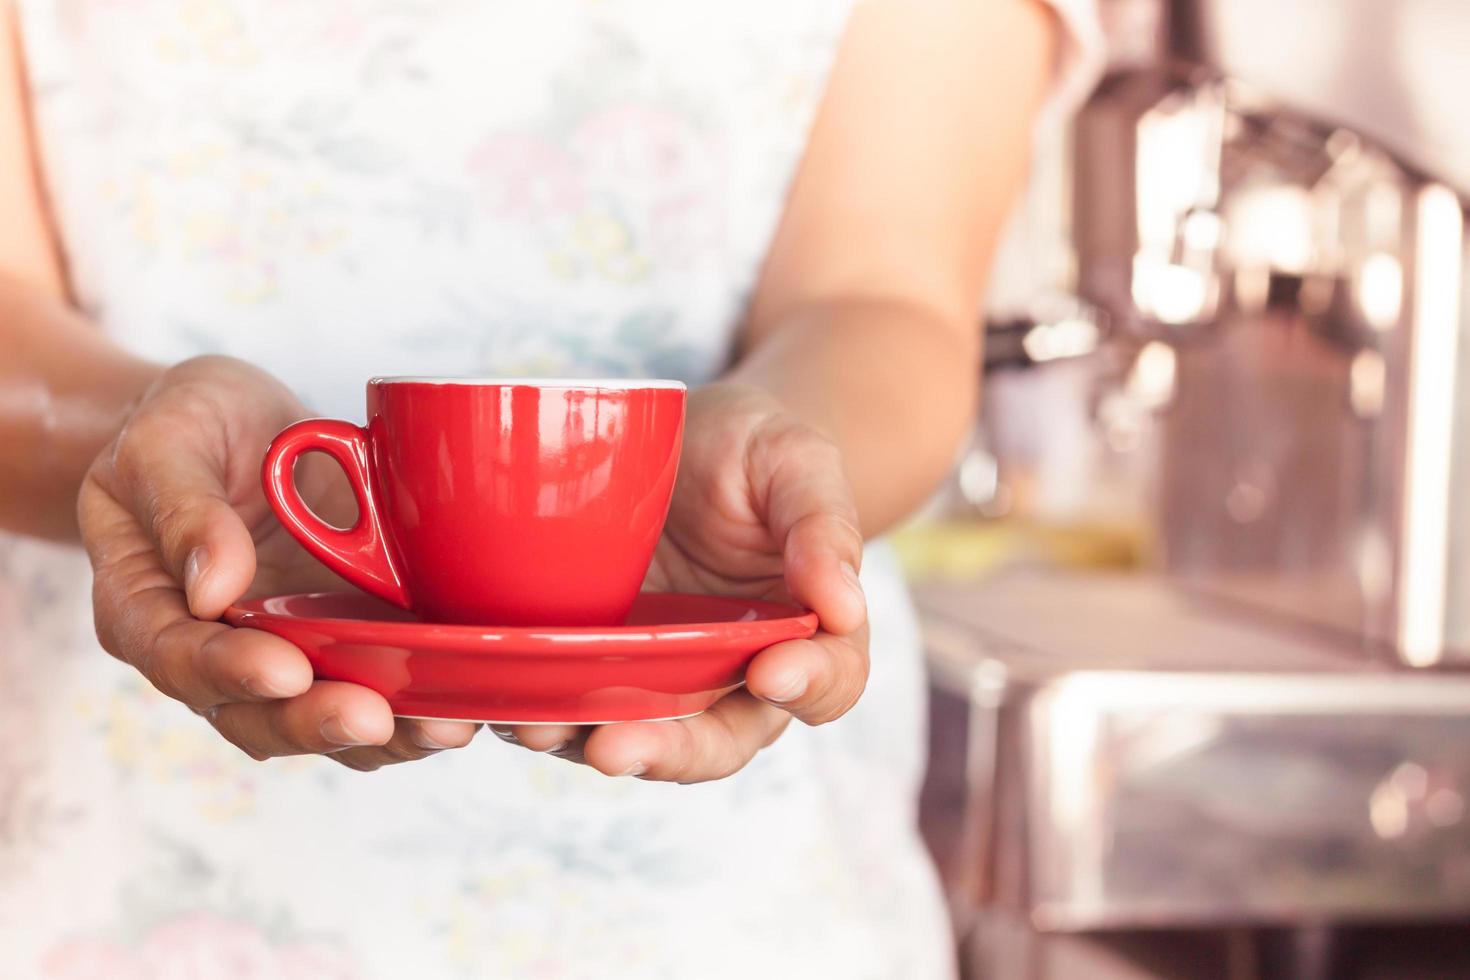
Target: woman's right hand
{"type": "Point", "coordinates": [177, 529]}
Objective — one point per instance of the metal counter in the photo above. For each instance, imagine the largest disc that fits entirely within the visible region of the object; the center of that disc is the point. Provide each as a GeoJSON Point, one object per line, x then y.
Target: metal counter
{"type": "Point", "coordinates": [1114, 753]}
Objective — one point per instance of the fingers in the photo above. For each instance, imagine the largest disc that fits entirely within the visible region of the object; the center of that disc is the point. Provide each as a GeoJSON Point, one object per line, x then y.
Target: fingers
{"type": "Point", "coordinates": [810, 510]}
{"type": "Point", "coordinates": [254, 687]}
{"type": "Point", "coordinates": [176, 492]}
{"type": "Point", "coordinates": [413, 739]}
{"type": "Point", "coordinates": [329, 717]}
{"type": "Point", "coordinates": [541, 738]}
{"type": "Point", "coordinates": [257, 689]}
{"type": "Point", "coordinates": [142, 619]}
{"type": "Point", "coordinates": [246, 664]}
{"type": "Point", "coordinates": [712, 745]}
{"type": "Point", "coordinates": [208, 664]}
{"type": "Point", "coordinates": [821, 576]}
{"type": "Point", "coordinates": [816, 680]}
{"type": "Point", "coordinates": [170, 552]}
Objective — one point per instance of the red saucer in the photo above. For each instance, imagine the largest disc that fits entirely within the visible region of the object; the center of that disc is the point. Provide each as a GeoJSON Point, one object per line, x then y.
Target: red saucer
{"type": "Point", "coordinates": [676, 655]}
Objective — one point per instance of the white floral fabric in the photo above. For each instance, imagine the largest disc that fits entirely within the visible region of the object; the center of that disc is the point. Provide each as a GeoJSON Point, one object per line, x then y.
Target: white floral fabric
{"type": "Point", "coordinates": [334, 190]}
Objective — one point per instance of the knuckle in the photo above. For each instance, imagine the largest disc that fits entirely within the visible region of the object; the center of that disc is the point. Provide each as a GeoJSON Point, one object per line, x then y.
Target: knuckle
{"type": "Point", "coordinates": [153, 664]}
{"type": "Point", "coordinates": [841, 699]}
{"type": "Point", "coordinates": [171, 518]}
{"type": "Point", "coordinates": [850, 687]}
{"type": "Point", "coordinates": [851, 697]}
{"type": "Point", "coordinates": [840, 688]}
{"type": "Point", "coordinates": [729, 755]}
{"type": "Point", "coordinates": [785, 433]}
{"type": "Point", "coordinates": [121, 637]}
{"type": "Point", "coordinates": [119, 588]}
{"type": "Point", "coordinates": [166, 661]}
{"type": "Point", "coordinates": [833, 525]}
{"type": "Point", "coordinates": [685, 755]}
{"type": "Point", "coordinates": [107, 637]}
{"type": "Point", "coordinates": [105, 620]}
{"type": "Point", "coordinates": [781, 440]}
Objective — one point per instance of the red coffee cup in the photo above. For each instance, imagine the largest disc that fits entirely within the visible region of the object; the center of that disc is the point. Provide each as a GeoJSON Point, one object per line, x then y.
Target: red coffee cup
{"type": "Point", "coordinates": [496, 503]}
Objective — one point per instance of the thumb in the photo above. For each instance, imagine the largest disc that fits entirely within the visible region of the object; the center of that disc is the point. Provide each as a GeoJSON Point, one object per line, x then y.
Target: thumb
{"type": "Point", "coordinates": [177, 493]}
{"type": "Point", "coordinates": [810, 510]}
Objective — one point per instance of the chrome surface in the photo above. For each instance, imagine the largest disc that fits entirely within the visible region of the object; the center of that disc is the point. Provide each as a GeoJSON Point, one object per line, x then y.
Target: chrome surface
{"type": "Point", "coordinates": [1308, 290]}
{"type": "Point", "coordinates": [1394, 70]}
{"type": "Point", "coordinates": [1136, 757]}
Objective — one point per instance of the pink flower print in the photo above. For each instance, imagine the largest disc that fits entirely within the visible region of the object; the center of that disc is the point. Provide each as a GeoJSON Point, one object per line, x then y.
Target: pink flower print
{"type": "Point", "coordinates": [525, 177]}
{"type": "Point", "coordinates": [632, 144]}
{"type": "Point", "coordinates": [662, 168]}
{"type": "Point", "coordinates": [199, 946]}
{"type": "Point", "coordinates": [204, 946]}
{"type": "Point", "coordinates": [88, 959]}
{"type": "Point", "coordinates": [314, 961]}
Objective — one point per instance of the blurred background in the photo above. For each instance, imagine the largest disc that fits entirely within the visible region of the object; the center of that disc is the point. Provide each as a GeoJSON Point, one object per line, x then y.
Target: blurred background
{"type": "Point", "coordinates": [1191, 598]}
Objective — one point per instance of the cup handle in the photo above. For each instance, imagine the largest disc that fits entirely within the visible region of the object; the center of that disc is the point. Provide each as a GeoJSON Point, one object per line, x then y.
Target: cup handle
{"type": "Point", "coordinates": [361, 554]}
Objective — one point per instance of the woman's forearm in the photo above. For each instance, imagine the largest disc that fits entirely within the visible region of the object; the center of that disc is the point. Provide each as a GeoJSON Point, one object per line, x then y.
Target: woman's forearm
{"type": "Point", "coordinates": [64, 390]}
{"type": "Point", "coordinates": [892, 386]}
{"type": "Point", "coordinates": [863, 319]}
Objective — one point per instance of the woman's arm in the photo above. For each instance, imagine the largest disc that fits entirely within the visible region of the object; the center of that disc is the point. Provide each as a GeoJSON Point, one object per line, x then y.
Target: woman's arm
{"type": "Point", "coordinates": [860, 361]}
{"type": "Point", "coordinates": [64, 389]}
{"type": "Point", "coordinates": [864, 320]}
{"type": "Point", "coordinates": [170, 509]}
{"type": "Point", "coordinates": [27, 246]}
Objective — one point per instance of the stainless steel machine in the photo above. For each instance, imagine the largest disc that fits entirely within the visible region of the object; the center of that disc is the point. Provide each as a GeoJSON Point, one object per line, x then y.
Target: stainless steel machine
{"type": "Point", "coordinates": [1231, 766]}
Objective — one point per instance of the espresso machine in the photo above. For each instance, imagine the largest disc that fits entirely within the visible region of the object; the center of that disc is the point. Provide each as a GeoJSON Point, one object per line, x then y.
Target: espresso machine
{"type": "Point", "coordinates": [1252, 761]}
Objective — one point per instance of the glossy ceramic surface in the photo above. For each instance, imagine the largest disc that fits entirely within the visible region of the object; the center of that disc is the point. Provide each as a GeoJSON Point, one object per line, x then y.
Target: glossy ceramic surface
{"type": "Point", "coordinates": [674, 656]}
{"type": "Point", "coordinates": [514, 503]}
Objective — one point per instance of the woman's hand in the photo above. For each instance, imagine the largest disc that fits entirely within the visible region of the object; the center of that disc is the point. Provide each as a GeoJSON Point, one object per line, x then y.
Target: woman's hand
{"type": "Point", "coordinates": [762, 509]}
{"type": "Point", "coordinates": [177, 528]}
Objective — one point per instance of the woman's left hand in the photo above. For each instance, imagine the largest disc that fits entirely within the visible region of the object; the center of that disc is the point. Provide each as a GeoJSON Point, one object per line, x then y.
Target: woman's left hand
{"type": "Point", "coordinates": [762, 509]}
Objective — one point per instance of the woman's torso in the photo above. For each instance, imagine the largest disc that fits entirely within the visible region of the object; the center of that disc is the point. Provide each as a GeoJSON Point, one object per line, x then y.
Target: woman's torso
{"type": "Point", "coordinates": [425, 187]}
{"type": "Point", "coordinates": [430, 188]}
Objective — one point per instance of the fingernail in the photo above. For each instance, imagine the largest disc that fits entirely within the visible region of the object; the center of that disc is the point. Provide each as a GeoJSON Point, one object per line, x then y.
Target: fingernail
{"type": "Point", "coordinates": [195, 566]}
{"type": "Point", "coordinates": [636, 769]}
{"type": "Point", "coordinates": [557, 747]}
{"type": "Point", "coordinates": [336, 732]}
{"type": "Point", "coordinates": [506, 735]}
{"type": "Point", "coordinates": [788, 690]}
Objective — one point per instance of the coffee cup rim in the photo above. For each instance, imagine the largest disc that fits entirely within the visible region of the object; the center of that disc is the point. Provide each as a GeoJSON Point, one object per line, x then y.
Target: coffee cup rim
{"type": "Point", "coordinates": [626, 384]}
